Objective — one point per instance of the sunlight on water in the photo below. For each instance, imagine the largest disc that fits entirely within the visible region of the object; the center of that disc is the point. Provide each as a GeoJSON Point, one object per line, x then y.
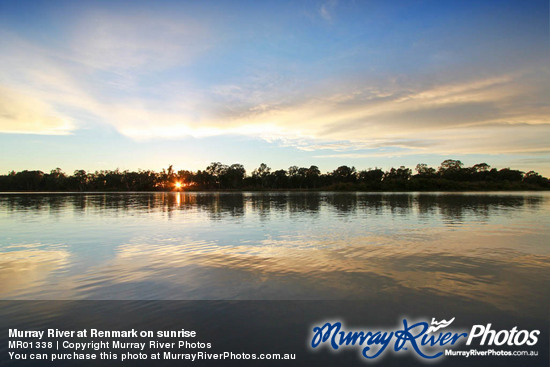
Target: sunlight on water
{"type": "Point", "coordinates": [489, 248]}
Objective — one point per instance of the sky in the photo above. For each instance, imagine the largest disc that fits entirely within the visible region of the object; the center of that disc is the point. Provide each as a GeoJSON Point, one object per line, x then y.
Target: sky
{"type": "Point", "coordinates": [133, 85]}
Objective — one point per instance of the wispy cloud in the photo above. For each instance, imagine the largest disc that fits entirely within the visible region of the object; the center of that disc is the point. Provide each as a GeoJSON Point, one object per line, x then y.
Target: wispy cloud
{"type": "Point", "coordinates": [326, 10]}
{"type": "Point", "coordinates": [136, 41]}
{"type": "Point", "coordinates": [479, 116]}
{"type": "Point", "coordinates": [25, 114]}
{"type": "Point", "coordinates": [104, 71]}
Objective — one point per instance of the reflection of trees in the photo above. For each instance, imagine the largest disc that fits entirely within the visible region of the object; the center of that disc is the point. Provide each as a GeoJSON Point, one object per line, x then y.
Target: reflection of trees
{"type": "Point", "coordinates": [371, 204]}
{"type": "Point", "coordinates": [305, 202]}
{"type": "Point", "coordinates": [219, 206]}
{"type": "Point", "coordinates": [399, 204]}
{"type": "Point", "coordinates": [451, 207]}
{"type": "Point", "coordinates": [55, 203]}
{"type": "Point", "coordinates": [342, 203]}
{"type": "Point", "coordinates": [455, 208]}
{"type": "Point", "coordinates": [277, 202]}
{"type": "Point", "coordinates": [261, 205]}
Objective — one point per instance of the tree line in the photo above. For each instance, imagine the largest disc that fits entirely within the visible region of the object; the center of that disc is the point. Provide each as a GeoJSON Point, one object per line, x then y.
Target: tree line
{"type": "Point", "coordinates": [450, 175]}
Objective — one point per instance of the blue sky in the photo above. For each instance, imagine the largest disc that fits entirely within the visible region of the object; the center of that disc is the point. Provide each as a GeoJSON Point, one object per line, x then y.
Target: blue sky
{"type": "Point", "coordinates": [130, 84]}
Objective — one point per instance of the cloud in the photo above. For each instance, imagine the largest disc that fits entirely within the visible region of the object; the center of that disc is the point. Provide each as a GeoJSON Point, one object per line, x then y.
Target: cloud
{"type": "Point", "coordinates": [102, 74]}
{"type": "Point", "coordinates": [130, 71]}
{"type": "Point", "coordinates": [136, 41]}
{"type": "Point", "coordinates": [326, 9]}
{"type": "Point", "coordinates": [502, 114]}
{"type": "Point", "coordinates": [25, 114]}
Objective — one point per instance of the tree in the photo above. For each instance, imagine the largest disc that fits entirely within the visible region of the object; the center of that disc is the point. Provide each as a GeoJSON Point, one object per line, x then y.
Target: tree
{"type": "Point", "coordinates": [81, 179]}
{"type": "Point", "coordinates": [187, 178]}
{"type": "Point", "coordinates": [534, 178]}
{"type": "Point", "coordinates": [372, 178]}
{"type": "Point", "coordinates": [451, 169]}
{"type": "Point", "coordinates": [507, 174]}
{"type": "Point", "coordinates": [481, 167]}
{"type": "Point", "coordinates": [344, 174]}
{"type": "Point", "coordinates": [234, 176]}
{"type": "Point", "coordinates": [312, 176]}
{"type": "Point", "coordinates": [480, 172]}
{"type": "Point", "coordinates": [27, 180]}
{"type": "Point", "coordinates": [279, 179]}
{"type": "Point", "coordinates": [262, 171]}
{"type": "Point", "coordinates": [293, 171]}
{"type": "Point", "coordinates": [450, 165]}
{"type": "Point", "coordinates": [166, 178]}
{"type": "Point", "coordinates": [423, 170]}
{"type": "Point", "coordinates": [402, 173]}
{"type": "Point", "coordinates": [221, 176]}
{"type": "Point", "coordinates": [216, 170]}
{"type": "Point", "coordinates": [261, 174]}
{"type": "Point", "coordinates": [55, 180]}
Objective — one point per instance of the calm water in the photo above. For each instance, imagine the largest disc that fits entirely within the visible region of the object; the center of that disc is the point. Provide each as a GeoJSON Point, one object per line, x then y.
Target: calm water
{"type": "Point", "coordinates": [490, 248]}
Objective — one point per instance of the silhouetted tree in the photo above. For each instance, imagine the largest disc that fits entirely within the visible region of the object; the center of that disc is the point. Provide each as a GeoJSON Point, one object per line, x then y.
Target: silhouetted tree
{"type": "Point", "coordinates": [279, 179]}
{"type": "Point", "coordinates": [451, 175]}
{"type": "Point", "coordinates": [344, 174]}
{"type": "Point", "coordinates": [481, 167]}
{"type": "Point", "coordinates": [56, 180]}
{"type": "Point", "coordinates": [261, 175]}
{"type": "Point", "coordinates": [81, 179]}
{"type": "Point", "coordinates": [423, 170]}
{"type": "Point", "coordinates": [233, 176]}
{"type": "Point", "coordinates": [372, 178]}
{"type": "Point", "coordinates": [451, 169]}
{"type": "Point", "coordinates": [312, 176]}
{"type": "Point", "coordinates": [450, 165]}
{"type": "Point", "coordinates": [534, 178]}
{"type": "Point", "coordinates": [507, 174]}
{"type": "Point", "coordinates": [217, 171]}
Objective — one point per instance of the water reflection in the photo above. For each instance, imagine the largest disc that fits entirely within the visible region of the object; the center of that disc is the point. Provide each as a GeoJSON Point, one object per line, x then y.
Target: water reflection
{"type": "Point", "coordinates": [453, 207]}
{"type": "Point", "coordinates": [488, 248]}
{"type": "Point", "coordinates": [28, 267]}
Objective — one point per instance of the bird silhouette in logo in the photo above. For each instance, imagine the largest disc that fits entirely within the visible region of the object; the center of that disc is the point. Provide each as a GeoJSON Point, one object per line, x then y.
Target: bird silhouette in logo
{"type": "Point", "coordinates": [439, 325]}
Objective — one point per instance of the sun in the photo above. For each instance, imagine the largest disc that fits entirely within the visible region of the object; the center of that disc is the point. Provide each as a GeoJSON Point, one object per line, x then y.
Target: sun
{"type": "Point", "coordinates": [178, 185]}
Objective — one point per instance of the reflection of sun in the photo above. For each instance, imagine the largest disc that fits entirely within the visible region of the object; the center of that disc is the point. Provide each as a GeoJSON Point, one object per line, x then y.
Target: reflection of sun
{"type": "Point", "coordinates": [178, 185]}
